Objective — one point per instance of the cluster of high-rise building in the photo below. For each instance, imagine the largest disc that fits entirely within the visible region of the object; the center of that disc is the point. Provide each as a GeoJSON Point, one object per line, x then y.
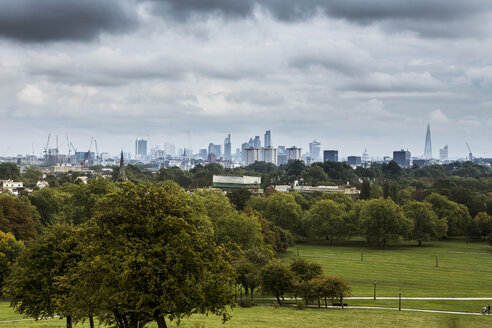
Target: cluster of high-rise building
{"type": "Point", "coordinates": [250, 151]}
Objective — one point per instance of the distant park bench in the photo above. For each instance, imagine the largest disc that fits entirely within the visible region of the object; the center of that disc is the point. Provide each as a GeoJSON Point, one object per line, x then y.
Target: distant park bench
{"type": "Point", "coordinates": [339, 304]}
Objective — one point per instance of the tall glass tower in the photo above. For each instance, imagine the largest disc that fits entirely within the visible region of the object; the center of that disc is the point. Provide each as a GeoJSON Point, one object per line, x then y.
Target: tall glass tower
{"type": "Point", "coordinates": [428, 144]}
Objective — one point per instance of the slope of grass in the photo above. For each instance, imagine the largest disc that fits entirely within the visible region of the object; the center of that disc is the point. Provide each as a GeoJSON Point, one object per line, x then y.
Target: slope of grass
{"type": "Point", "coordinates": [464, 269]}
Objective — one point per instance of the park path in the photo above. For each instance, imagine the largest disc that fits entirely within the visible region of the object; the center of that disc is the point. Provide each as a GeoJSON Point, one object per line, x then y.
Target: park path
{"type": "Point", "coordinates": [423, 298]}
{"type": "Point", "coordinates": [394, 298]}
{"type": "Point", "coordinates": [397, 309]}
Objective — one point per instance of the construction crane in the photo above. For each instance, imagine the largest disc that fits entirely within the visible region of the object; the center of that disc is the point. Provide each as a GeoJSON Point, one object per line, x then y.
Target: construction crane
{"type": "Point", "coordinates": [88, 154]}
{"type": "Point", "coordinates": [470, 155]}
{"type": "Point", "coordinates": [47, 145]}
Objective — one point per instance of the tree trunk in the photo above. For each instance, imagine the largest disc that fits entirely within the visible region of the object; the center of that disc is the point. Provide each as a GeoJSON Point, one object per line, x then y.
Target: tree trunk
{"type": "Point", "coordinates": [326, 304]}
{"type": "Point", "coordinates": [252, 295]}
{"type": "Point", "coordinates": [341, 300]}
{"type": "Point", "coordinates": [319, 303]}
{"type": "Point", "coordinates": [161, 321]}
{"type": "Point", "coordinates": [278, 300]}
{"type": "Point", "coordinates": [420, 242]}
{"type": "Point", "coordinates": [69, 321]}
{"type": "Point", "coordinates": [91, 321]}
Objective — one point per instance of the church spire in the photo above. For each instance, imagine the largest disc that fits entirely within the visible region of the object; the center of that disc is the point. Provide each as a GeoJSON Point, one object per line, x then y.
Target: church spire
{"type": "Point", "coordinates": [121, 171]}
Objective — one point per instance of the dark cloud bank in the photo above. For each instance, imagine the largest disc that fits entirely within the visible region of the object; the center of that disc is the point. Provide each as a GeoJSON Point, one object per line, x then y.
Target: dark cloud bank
{"type": "Point", "coordinates": [59, 20]}
{"type": "Point", "coordinates": [81, 20]}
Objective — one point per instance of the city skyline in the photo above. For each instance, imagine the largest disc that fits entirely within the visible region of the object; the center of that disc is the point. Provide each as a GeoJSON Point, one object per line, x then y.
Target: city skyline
{"type": "Point", "coordinates": [236, 143]}
{"type": "Point", "coordinates": [344, 73]}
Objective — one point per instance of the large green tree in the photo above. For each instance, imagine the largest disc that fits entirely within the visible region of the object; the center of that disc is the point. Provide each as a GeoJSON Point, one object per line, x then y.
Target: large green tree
{"type": "Point", "coordinates": [325, 219]}
{"type": "Point", "coordinates": [277, 279]}
{"type": "Point", "coordinates": [456, 215]}
{"type": "Point", "coordinates": [280, 208]}
{"type": "Point", "coordinates": [426, 224]}
{"type": "Point", "coordinates": [382, 221]}
{"type": "Point", "coordinates": [145, 260]}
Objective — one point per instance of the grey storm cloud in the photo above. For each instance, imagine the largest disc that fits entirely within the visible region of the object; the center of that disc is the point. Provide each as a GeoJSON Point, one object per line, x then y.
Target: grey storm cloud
{"type": "Point", "coordinates": [357, 10]}
{"type": "Point", "coordinates": [59, 20]}
{"type": "Point", "coordinates": [396, 15]}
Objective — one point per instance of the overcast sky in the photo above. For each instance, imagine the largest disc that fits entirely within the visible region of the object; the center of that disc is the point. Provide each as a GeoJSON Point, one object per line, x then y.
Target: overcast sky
{"type": "Point", "coordinates": [349, 73]}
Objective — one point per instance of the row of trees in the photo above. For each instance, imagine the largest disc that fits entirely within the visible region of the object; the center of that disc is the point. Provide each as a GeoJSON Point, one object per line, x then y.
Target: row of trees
{"type": "Point", "coordinates": [380, 221]}
{"type": "Point", "coordinates": [301, 279]}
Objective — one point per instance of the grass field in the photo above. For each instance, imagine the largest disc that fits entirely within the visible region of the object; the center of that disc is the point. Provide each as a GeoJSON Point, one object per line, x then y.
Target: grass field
{"type": "Point", "coordinates": [270, 317]}
{"type": "Point", "coordinates": [464, 269]}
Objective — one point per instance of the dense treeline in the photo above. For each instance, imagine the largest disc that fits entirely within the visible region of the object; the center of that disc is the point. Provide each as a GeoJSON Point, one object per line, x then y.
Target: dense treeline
{"type": "Point", "coordinates": [118, 240]}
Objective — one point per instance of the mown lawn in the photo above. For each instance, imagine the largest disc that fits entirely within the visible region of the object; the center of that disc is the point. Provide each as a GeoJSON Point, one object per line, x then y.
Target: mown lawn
{"type": "Point", "coordinates": [464, 269]}
{"type": "Point", "coordinates": [271, 317]}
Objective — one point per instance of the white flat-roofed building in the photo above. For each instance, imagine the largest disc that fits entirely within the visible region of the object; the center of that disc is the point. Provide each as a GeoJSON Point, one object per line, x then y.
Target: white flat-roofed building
{"type": "Point", "coordinates": [230, 183]}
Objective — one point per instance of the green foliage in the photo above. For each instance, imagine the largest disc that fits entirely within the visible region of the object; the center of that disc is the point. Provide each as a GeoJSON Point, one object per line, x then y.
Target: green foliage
{"type": "Point", "coordinates": [304, 270]}
{"type": "Point", "coordinates": [81, 204]}
{"type": "Point", "coordinates": [456, 215]}
{"type": "Point", "coordinates": [392, 170]}
{"type": "Point", "coordinates": [16, 218]}
{"type": "Point", "coordinates": [382, 221]}
{"type": "Point", "coordinates": [50, 204]}
{"type": "Point", "coordinates": [480, 226]}
{"type": "Point", "coordinates": [144, 259]}
{"type": "Point", "coordinates": [9, 250]}
{"type": "Point", "coordinates": [365, 190]}
{"type": "Point", "coordinates": [314, 176]}
{"type": "Point", "coordinates": [293, 170]}
{"type": "Point", "coordinates": [325, 219]}
{"type": "Point", "coordinates": [9, 171]}
{"type": "Point", "coordinates": [279, 208]}
{"type": "Point", "coordinates": [340, 172]}
{"type": "Point", "coordinates": [426, 224]}
{"type": "Point", "coordinates": [31, 285]}
{"type": "Point", "coordinates": [239, 197]}
{"type": "Point", "coordinates": [31, 176]}
{"type": "Point", "coordinates": [276, 279]}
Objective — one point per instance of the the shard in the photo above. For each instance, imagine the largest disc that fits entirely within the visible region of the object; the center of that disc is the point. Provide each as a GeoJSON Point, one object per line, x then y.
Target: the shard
{"type": "Point", "coordinates": [428, 144]}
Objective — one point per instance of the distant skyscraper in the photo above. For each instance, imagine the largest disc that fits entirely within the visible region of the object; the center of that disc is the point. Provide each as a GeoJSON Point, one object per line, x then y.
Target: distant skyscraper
{"type": "Point", "coordinates": [330, 155]}
{"type": "Point", "coordinates": [402, 157]}
{"type": "Point", "coordinates": [140, 147]}
{"type": "Point", "coordinates": [227, 148]}
{"type": "Point", "coordinates": [354, 160]}
{"type": "Point", "coordinates": [252, 155]}
{"type": "Point", "coordinates": [268, 139]}
{"type": "Point", "coordinates": [314, 151]}
{"type": "Point", "coordinates": [211, 149]}
{"type": "Point", "coordinates": [443, 154]}
{"type": "Point", "coordinates": [428, 144]}
{"type": "Point", "coordinates": [218, 151]}
{"type": "Point", "coordinates": [257, 142]}
{"type": "Point", "coordinates": [270, 155]}
{"type": "Point", "coordinates": [293, 153]}
{"type": "Point", "coordinates": [203, 154]}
